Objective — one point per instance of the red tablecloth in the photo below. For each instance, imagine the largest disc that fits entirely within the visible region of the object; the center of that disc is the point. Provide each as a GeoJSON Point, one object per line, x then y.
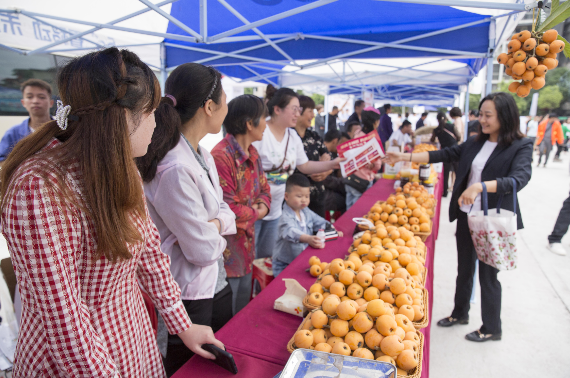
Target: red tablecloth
{"type": "Point", "coordinates": [258, 335]}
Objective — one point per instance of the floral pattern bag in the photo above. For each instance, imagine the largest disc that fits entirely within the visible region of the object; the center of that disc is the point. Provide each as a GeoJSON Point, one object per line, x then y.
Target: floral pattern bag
{"type": "Point", "coordinates": [494, 232]}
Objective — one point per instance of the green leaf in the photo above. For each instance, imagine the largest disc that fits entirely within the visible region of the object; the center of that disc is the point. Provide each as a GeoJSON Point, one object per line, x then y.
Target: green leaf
{"type": "Point", "coordinates": [566, 50]}
{"type": "Point", "coordinates": [554, 5]}
{"type": "Point", "coordinates": [557, 16]}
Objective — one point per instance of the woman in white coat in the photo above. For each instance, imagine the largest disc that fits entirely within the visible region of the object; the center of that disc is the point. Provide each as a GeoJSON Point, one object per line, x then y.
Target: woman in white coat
{"type": "Point", "coordinates": [185, 199]}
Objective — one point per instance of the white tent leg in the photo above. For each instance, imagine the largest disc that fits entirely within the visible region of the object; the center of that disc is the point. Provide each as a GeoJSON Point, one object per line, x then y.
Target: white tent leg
{"type": "Point", "coordinates": [163, 73]}
{"type": "Point", "coordinates": [466, 132]}
{"type": "Point", "coordinates": [327, 111]}
{"type": "Point", "coordinates": [489, 87]}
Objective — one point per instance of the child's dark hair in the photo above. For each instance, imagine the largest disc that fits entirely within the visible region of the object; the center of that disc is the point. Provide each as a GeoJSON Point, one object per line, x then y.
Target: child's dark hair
{"type": "Point", "coordinates": [297, 180]}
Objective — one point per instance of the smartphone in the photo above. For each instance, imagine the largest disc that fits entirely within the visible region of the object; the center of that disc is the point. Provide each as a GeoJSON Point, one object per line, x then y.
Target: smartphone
{"type": "Point", "coordinates": [223, 358]}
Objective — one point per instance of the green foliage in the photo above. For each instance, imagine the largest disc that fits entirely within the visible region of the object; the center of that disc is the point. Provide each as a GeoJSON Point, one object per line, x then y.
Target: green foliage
{"type": "Point", "coordinates": [248, 90]}
{"type": "Point", "coordinates": [474, 100]}
{"type": "Point", "coordinates": [318, 98]}
{"type": "Point", "coordinates": [558, 13]}
{"type": "Point", "coordinates": [550, 97]}
{"type": "Point", "coordinates": [560, 77]}
{"type": "Point", "coordinates": [300, 92]}
{"type": "Point", "coordinates": [442, 110]}
{"type": "Point", "coordinates": [396, 110]}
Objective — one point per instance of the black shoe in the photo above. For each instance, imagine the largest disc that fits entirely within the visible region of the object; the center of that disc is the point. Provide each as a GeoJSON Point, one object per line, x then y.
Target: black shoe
{"type": "Point", "coordinates": [479, 337]}
{"type": "Point", "coordinates": [449, 321]}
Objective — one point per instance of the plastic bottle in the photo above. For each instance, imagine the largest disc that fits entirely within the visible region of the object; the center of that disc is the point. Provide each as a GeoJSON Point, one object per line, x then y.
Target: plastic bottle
{"type": "Point", "coordinates": [321, 235]}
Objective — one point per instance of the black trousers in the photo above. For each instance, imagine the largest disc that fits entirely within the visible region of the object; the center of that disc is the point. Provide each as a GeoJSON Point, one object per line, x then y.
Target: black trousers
{"type": "Point", "coordinates": [446, 172]}
{"type": "Point", "coordinates": [562, 223]}
{"type": "Point", "coordinates": [214, 312]}
{"type": "Point", "coordinates": [559, 149]}
{"type": "Point", "coordinates": [490, 285]}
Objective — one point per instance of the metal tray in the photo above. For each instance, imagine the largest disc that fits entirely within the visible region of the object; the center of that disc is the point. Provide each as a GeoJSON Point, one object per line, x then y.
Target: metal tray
{"type": "Point", "coordinates": [306, 363]}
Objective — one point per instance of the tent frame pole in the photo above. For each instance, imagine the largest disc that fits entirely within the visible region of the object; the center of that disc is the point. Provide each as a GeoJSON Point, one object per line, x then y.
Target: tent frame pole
{"type": "Point", "coordinates": [489, 83]}
{"type": "Point", "coordinates": [270, 19]}
{"type": "Point", "coordinates": [204, 20]}
{"type": "Point", "coordinates": [327, 110]}
{"type": "Point", "coordinates": [163, 73]}
{"type": "Point", "coordinates": [466, 127]}
{"type": "Point", "coordinates": [174, 20]}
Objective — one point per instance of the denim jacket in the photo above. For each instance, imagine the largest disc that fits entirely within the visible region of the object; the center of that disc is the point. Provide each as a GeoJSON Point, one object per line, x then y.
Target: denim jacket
{"type": "Point", "coordinates": [290, 230]}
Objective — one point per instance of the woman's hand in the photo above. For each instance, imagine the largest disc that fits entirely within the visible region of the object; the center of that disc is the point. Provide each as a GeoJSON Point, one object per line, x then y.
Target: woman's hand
{"type": "Point", "coordinates": [197, 335]}
{"type": "Point", "coordinates": [392, 158]}
{"type": "Point", "coordinates": [469, 195]}
{"type": "Point", "coordinates": [262, 210]}
{"type": "Point", "coordinates": [336, 162]}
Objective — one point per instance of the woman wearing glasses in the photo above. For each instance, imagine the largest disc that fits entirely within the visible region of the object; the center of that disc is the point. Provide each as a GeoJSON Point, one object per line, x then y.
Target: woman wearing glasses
{"type": "Point", "coordinates": [281, 151]}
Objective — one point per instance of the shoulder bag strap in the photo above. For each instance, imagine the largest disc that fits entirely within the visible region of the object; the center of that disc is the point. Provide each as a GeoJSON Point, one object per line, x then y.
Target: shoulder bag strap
{"type": "Point", "coordinates": [284, 156]}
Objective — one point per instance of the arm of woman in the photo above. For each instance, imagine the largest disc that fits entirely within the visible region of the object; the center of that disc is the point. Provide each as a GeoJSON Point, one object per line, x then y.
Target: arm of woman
{"type": "Point", "coordinates": [226, 216]}
{"type": "Point", "coordinates": [263, 200]}
{"type": "Point", "coordinates": [178, 202]}
{"type": "Point", "coordinates": [312, 167]}
{"type": "Point", "coordinates": [46, 249]}
{"type": "Point", "coordinates": [154, 274]}
{"type": "Point", "coordinates": [521, 171]}
{"type": "Point", "coordinates": [245, 215]}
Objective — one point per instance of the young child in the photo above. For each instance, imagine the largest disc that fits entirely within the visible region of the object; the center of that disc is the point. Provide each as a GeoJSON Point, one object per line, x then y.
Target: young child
{"type": "Point", "coordinates": [297, 224]}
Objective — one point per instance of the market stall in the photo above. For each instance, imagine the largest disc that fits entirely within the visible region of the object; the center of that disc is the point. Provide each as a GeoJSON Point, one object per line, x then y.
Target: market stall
{"type": "Point", "coordinates": [258, 335]}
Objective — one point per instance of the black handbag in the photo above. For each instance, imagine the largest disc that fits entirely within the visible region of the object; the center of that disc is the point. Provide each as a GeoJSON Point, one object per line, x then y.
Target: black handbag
{"type": "Point", "coordinates": [357, 183]}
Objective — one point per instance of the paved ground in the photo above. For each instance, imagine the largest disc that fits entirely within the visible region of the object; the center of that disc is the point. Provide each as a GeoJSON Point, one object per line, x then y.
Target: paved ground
{"type": "Point", "coordinates": [536, 296]}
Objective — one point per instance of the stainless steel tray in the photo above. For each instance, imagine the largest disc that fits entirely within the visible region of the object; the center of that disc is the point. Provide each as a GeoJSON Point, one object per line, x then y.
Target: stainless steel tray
{"type": "Point", "coordinates": [306, 363]}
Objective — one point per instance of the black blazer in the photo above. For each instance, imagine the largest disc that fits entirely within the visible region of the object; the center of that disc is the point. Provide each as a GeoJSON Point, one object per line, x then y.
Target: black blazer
{"type": "Point", "coordinates": [505, 163]}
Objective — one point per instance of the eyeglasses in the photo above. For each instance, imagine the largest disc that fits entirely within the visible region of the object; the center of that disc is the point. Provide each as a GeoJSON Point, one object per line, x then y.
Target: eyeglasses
{"type": "Point", "coordinates": [297, 109]}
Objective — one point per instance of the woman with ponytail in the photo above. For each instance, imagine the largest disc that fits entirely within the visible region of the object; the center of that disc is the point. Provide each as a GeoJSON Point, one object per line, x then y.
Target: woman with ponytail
{"type": "Point", "coordinates": [281, 151]}
{"type": "Point", "coordinates": [79, 233]}
{"type": "Point", "coordinates": [185, 200]}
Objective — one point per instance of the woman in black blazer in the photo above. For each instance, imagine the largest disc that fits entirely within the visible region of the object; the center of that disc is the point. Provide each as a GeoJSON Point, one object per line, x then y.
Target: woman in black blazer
{"type": "Point", "coordinates": [498, 154]}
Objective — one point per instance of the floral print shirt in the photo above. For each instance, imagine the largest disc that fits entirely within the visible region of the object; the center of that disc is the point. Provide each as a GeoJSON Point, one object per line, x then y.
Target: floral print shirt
{"type": "Point", "coordinates": [244, 184]}
{"type": "Point", "coordinates": [314, 148]}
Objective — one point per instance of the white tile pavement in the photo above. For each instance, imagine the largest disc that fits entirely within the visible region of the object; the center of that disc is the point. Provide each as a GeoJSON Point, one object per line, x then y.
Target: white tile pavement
{"type": "Point", "coordinates": [535, 302]}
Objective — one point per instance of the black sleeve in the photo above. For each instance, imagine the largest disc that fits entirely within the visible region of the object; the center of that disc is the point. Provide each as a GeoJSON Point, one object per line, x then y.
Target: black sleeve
{"type": "Point", "coordinates": [447, 155]}
{"type": "Point", "coordinates": [521, 170]}
{"type": "Point", "coordinates": [334, 183]}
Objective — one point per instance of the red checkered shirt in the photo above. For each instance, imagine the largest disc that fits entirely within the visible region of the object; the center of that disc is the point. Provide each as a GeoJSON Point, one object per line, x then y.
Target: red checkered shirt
{"type": "Point", "coordinates": [82, 317]}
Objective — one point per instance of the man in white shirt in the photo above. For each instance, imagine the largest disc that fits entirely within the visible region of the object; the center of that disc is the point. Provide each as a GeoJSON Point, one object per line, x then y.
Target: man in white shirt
{"type": "Point", "coordinates": [532, 128]}
{"type": "Point", "coordinates": [403, 136]}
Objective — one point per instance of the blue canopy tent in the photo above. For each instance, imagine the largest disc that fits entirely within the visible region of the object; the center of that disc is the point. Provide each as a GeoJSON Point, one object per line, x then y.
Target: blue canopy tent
{"type": "Point", "coordinates": [299, 42]}
{"type": "Point", "coordinates": [278, 41]}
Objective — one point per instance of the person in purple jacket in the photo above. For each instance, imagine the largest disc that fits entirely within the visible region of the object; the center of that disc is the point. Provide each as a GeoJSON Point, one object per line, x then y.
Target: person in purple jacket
{"type": "Point", "coordinates": [37, 99]}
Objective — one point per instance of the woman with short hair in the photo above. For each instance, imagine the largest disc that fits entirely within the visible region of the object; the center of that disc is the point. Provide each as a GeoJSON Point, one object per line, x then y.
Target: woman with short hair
{"type": "Point", "coordinates": [245, 189]}
{"type": "Point", "coordinates": [496, 156]}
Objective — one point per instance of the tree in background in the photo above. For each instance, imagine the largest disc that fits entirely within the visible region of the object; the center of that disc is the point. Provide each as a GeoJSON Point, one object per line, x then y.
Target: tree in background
{"type": "Point", "coordinates": [549, 98]}
{"type": "Point", "coordinates": [474, 100]}
{"type": "Point", "coordinates": [318, 98]}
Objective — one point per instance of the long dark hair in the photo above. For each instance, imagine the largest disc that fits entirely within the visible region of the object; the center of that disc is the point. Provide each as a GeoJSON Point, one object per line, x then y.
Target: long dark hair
{"type": "Point", "coordinates": [98, 87]}
{"type": "Point", "coordinates": [508, 115]}
{"type": "Point", "coordinates": [368, 119]}
{"type": "Point", "coordinates": [191, 85]}
{"type": "Point", "coordinates": [281, 97]}
{"type": "Point", "coordinates": [241, 110]}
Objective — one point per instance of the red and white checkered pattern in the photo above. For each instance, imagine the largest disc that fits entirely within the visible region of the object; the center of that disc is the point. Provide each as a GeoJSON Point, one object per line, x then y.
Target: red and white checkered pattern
{"type": "Point", "coordinates": [82, 318]}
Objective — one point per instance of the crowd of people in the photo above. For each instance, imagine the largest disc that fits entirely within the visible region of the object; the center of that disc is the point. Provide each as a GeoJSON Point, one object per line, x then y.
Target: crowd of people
{"type": "Point", "coordinates": [115, 195]}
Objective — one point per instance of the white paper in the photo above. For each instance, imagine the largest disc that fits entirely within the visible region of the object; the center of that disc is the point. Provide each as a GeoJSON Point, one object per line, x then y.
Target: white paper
{"type": "Point", "coordinates": [292, 301]}
{"type": "Point", "coordinates": [359, 157]}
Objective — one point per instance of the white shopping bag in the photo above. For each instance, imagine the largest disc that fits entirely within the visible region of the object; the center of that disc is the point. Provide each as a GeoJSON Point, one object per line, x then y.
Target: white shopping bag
{"type": "Point", "coordinates": [494, 233]}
